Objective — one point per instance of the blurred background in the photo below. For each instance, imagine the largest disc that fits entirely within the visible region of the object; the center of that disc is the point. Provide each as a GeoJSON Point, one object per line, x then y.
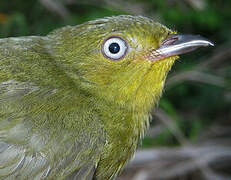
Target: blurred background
{"type": "Point", "coordinates": [190, 135]}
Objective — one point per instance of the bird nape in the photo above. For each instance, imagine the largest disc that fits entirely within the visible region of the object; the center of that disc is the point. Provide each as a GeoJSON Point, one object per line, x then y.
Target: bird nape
{"type": "Point", "coordinates": [75, 103]}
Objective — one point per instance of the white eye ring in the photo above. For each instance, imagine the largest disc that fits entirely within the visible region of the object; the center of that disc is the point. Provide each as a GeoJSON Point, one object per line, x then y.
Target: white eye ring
{"type": "Point", "coordinates": [114, 48]}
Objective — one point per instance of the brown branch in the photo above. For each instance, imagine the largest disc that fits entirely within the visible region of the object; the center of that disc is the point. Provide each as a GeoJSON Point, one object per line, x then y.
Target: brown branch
{"type": "Point", "coordinates": [197, 76]}
{"type": "Point", "coordinates": [56, 7]}
{"type": "Point", "coordinates": [221, 54]}
{"type": "Point", "coordinates": [196, 4]}
{"type": "Point", "coordinates": [168, 163]}
{"type": "Point", "coordinates": [132, 7]}
{"type": "Point", "coordinates": [166, 119]}
{"type": "Point", "coordinates": [169, 123]}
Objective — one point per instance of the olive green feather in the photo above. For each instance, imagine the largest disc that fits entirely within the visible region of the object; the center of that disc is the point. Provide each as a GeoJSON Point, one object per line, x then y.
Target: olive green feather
{"type": "Point", "coordinates": [67, 111]}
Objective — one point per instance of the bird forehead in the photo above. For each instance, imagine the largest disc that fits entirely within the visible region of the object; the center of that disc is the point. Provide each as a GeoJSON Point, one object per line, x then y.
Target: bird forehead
{"type": "Point", "coordinates": [126, 23]}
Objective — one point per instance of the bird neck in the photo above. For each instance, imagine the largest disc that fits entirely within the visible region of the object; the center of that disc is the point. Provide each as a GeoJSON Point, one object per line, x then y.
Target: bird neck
{"type": "Point", "coordinates": [123, 130]}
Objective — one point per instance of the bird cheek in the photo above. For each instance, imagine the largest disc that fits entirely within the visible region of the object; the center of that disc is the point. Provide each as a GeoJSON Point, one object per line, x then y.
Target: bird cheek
{"type": "Point", "coordinates": [141, 57]}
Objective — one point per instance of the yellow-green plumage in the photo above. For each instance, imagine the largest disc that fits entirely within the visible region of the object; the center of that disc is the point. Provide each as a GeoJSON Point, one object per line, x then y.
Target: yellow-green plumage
{"type": "Point", "coordinates": [67, 111]}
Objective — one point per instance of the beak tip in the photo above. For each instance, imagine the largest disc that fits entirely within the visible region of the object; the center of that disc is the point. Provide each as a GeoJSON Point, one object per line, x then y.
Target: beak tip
{"type": "Point", "coordinates": [211, 44]}
{"type": "Point", "coordinates": [201, 40]}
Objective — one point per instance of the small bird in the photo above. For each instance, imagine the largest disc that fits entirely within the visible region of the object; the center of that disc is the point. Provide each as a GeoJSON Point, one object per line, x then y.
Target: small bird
{"type": "Point", "coordinates": [75, 103]}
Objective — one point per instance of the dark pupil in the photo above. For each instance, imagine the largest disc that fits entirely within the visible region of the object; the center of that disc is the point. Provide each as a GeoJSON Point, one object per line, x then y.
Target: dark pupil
{"type": "Point", "coordinates": [114, 48]}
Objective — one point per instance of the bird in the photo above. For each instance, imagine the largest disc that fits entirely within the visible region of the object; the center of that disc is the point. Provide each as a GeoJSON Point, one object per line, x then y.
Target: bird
{"type": "Point", "coordinates": [74, 104]}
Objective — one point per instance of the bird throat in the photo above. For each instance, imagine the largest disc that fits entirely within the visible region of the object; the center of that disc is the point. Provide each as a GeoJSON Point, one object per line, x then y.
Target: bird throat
{"type": "Point", "coordinates": [126, 121]}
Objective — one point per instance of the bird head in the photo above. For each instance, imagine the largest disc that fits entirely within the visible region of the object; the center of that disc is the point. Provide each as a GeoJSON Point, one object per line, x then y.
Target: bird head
{"type": "Point", "coordinates": [123, 59]}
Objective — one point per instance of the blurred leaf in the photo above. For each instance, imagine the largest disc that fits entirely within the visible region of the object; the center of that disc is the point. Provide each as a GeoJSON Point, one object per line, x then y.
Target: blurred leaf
{"type": "Point", "coordinates": [15, 26]}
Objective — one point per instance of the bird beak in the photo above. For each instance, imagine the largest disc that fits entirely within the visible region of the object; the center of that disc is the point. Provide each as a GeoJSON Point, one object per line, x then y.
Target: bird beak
{"type": "Point", "coordinates": [177, 44]}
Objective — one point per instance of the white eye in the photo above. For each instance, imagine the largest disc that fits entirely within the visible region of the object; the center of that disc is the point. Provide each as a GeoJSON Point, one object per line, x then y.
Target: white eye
{"type": "Point", "coordinates": [114, 48]}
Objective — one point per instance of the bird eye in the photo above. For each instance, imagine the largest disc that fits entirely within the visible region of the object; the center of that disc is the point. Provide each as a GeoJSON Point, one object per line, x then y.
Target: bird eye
{"type": "Point", "coordinates": [114, 48]}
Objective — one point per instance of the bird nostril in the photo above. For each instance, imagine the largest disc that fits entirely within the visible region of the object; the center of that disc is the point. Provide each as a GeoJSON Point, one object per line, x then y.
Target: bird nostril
{"type": "Point", "coordinates": [170, 40]}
